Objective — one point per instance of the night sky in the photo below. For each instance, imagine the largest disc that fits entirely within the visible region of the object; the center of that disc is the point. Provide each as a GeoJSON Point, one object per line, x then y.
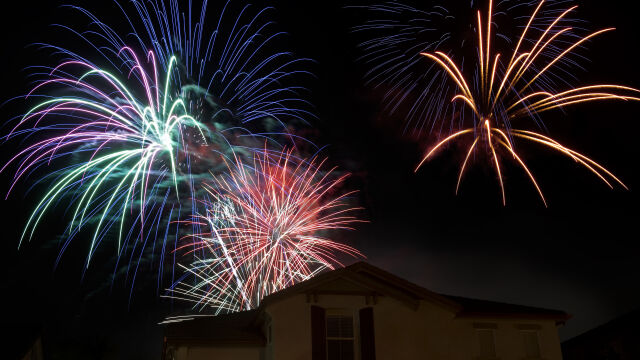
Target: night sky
{"type": "Point", "coordinates": [579, 255]}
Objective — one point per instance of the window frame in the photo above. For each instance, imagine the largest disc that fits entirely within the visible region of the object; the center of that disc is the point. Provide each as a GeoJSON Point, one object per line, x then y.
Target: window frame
{"type": "Point", "coordinates": [354, 328]}
{"type": "Point", "coordinates": [487, 328]}
{"type": "Point", "coordinates": [536, 333]}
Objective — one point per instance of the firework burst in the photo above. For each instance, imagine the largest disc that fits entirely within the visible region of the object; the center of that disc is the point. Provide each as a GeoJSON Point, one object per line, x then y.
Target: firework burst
{"type": "Point", "coordinates": [504, 89]}
{"type": "Point", "coordinates": [125, 144]}
{"type": "Point", "coordinates": [129, 134]}
{"type": "Point", "coordinates": [237, 67]}
{"type": "Point", "coordinates": [265, 226]}
{"type": "Point", "coordinates": [394, 35]}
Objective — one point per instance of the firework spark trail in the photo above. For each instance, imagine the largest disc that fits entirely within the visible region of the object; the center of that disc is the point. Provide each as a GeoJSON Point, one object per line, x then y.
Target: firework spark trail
{"type": "Point", "coordinates": [126, 144]}
{"type": "Point", "coordinates": [505, 91]}
{"type": "Point", "coordinates": [234, 77]}
{"type": "Point", "coordinates": [131, 130]}
{"type": "Point", "coordinates": [265, 223]}
{"type": "Point", "coordinates": [394, 35]}
{"type": "Point", "coordinates": [236, 67]}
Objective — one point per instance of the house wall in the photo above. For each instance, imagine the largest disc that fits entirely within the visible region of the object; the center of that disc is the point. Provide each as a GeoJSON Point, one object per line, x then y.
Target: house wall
{"type": "Point", "coordinates": [508, 338]}
{"type": "Point", "coordinates": [403, 332]}
{"type": "Point", "coordinates": [186, 352]}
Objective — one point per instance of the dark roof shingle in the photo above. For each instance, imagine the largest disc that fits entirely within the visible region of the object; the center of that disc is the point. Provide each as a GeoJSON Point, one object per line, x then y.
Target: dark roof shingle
{"type": "Point", "coordinates": [235, 328]}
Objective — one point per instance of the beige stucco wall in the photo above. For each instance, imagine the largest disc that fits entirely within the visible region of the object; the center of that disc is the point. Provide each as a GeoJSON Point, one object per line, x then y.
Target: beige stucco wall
{"type": "Point", "coordinates": [217, 353]}
{"type": "Point", "coordinates": [508, 338]}
{"type": "Point", "coordinates": [401, 332]}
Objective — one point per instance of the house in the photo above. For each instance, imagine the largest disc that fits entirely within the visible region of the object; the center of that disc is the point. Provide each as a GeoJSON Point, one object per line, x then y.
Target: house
{"type": "Point", "coordinates": [363, 312]}
{"type": "Point", "coordinates": [619, 339]}
{"type": "Point", "coordinates": [23, 342]}
{"type": "Point", "coordinates": [34, 352]}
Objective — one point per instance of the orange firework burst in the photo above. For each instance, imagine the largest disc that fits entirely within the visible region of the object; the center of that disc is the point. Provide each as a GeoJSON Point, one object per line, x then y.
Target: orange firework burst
{"type": "Point", "coordinates": [505, 92]}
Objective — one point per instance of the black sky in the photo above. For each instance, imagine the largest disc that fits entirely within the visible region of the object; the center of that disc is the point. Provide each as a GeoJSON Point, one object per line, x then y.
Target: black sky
{"type": "Point", "coordinates": [579, 255]}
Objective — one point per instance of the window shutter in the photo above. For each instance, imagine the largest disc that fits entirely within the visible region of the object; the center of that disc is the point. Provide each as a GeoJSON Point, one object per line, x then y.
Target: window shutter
{"type": "Point", "coordinates": [318, 334]}
{"type": "Point", "coordinates": [367, 339]}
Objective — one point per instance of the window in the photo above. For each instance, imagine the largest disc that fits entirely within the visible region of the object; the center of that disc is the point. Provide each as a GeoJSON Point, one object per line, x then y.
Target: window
{"type": "Point", "coordinates": [487, 343]}
{"type": "Point", "coordinates": [531, 345]}
{"type": "Point", "coordinates": [340, 336]}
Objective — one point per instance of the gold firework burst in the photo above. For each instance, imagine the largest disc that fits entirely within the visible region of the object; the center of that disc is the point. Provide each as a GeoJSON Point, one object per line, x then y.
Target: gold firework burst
{"type": "Point", "coordinates": [504, 93]}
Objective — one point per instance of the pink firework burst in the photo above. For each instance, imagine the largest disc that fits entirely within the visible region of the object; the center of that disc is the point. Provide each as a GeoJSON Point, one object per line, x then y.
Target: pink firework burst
{"type": "Point", "coordinates": [267, 226]}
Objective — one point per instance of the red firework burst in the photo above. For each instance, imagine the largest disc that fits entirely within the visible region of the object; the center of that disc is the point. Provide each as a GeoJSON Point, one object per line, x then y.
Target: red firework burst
{"type": "Point", "coordinates": [266, 226]}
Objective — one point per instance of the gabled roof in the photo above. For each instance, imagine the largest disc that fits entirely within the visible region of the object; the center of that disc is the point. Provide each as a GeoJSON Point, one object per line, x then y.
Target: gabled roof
{"type": "Point", "coordinates": [368, 280]}
{"type": "Point", "coordinates": [358, 279]}
{"type": "Point", "coordinates": [380, 282]}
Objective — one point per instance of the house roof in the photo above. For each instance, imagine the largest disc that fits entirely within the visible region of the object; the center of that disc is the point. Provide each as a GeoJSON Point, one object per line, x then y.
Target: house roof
{"type": "Point", "coordinates": [370, 280]}
{"type": "Point", "coordinates": [392, 285]}
{"type": "Point", "coordinates": [485, 308]}
{"type": "Point", "coordinates": [229, 329]}
{"type": "Point", "coordinates": [618, 329]}
{"type": "Point", "coordinates": [358, 279]}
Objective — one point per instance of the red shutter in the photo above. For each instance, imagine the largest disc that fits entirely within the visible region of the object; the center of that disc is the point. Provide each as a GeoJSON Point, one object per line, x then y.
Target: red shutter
{"type": "Point", "coordinates": [318, 334]}
{"type": "Point", "coordinates": [367, 339]}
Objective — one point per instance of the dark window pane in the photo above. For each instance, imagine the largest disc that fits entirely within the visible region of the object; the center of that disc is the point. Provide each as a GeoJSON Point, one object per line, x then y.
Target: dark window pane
{"type": "Point", "coordinates": [340, 350]}
{"type": "Point", "coordinates": [339, 326]}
